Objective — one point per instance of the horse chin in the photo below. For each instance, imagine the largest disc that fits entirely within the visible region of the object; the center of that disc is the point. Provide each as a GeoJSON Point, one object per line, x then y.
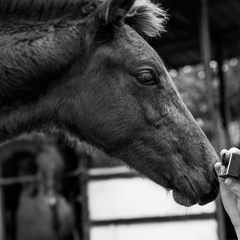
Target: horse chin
{"type": "Point", "coordinates": [183, 200]}
{"type": "Point", "coordinates": [187, 196]}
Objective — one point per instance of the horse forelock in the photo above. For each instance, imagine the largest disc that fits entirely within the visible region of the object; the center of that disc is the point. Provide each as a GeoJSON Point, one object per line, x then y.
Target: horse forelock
{"type": "Point", "coordinates": [147, 18]}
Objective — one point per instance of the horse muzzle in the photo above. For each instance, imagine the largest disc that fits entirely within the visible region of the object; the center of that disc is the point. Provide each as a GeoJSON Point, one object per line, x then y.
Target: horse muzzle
{"type": "Point", "coordinates": [210, 196]}
{"type": "Point", "coordinates": [190, 192]}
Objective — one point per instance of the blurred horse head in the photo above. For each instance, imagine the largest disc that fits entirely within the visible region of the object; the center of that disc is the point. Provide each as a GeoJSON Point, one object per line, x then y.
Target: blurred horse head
{"type": "Point", "coordinates": [40, 203]}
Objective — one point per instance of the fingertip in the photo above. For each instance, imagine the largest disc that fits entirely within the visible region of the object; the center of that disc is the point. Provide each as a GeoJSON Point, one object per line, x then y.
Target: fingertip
{"type": "Point", "coordinates": [234, 150]}
{"type": "Point", "coordinates": [217, 166]}
{"type": "Point", "coordinates": [224, 151]}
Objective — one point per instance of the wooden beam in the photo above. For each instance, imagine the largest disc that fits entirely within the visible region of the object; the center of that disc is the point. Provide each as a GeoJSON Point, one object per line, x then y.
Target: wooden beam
{"type": "Point", "coordinates": [206, 58]}
{"type": "Point", "coordinates": [83, 179]}
{"type": "Point", "coordinates": [224, 106]}
{"type": "Point", "coordinates": [2, 220]}
{"type": "Point", "coordinates": [147, 220]}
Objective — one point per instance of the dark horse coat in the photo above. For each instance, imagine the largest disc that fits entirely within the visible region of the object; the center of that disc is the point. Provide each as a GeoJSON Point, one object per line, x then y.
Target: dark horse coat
{"type": "Point", "coordinates": [84, 68]}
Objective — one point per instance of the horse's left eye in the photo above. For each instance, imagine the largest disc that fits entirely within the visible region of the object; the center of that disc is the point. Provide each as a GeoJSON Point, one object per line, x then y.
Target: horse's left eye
{"type": "Point", "coordinates": [146, 78]}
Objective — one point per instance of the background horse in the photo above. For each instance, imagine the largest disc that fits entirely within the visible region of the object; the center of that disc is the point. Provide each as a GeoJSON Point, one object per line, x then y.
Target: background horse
{"type": "Point", "coordinates": [84, 68]}
{"type": "Point", "coordinates": [45, 206]}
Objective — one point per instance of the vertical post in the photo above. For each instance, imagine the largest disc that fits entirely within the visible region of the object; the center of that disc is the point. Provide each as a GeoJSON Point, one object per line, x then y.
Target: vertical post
{"type": "Point", "coordinates": [86, 224]}
{"type": "Point", "coordinates": [239, 70]}
{"type": "Point", "coordinates": [221, 219]}
{"type": "Point", "coordinates": [206, 56]}
{"type": "Point", "coordinates": [2, 225]}
{"type": "Point", "coordinates": [224, 106]}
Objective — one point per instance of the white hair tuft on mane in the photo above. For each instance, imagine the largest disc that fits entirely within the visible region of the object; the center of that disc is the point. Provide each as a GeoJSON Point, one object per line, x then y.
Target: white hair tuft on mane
{"type": "Point", "coordinates": [146, 18]}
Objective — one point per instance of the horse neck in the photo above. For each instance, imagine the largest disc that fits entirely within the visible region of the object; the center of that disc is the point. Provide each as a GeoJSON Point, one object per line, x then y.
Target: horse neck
{"type": "Point", "coordinates": [46, 10]}
{"type": "Point", "coordinates": [35, 53]}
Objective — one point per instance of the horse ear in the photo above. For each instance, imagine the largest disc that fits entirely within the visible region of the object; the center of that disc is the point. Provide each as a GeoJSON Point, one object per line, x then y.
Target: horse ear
{"type": "Point", "coordinates": [112, 10]}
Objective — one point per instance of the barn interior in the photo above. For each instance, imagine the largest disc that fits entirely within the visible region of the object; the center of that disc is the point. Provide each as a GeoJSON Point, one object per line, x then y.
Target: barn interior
{"type": "Point", "coordinates": [200, 34]}
{"type": "Point", "coordinates": [117, 203]}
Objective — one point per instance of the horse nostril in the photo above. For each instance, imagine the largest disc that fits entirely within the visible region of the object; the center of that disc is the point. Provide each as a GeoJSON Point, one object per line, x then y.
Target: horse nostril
{"type": "Point", "coordinates": [209, 197]}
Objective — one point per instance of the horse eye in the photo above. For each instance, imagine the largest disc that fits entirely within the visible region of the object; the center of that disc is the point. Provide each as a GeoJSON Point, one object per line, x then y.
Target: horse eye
{"type": "Point", "coordinates": [146, 78]}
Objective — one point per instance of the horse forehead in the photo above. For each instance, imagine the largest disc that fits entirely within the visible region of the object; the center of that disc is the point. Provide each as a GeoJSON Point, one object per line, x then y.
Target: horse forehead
{"type": "Point", "coordinates": [137, 45]}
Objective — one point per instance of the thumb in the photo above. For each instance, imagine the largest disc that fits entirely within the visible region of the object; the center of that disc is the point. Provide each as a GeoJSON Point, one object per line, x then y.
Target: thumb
{"type": "Point", "coordinates": [233, 185]}
{"type": "Point", "coordinates": [230, 183]}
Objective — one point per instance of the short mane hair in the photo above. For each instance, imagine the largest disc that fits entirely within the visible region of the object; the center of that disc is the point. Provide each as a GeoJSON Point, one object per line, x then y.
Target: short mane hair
{"type": "Point", "coordinates": [147, 18]}
{"type": "Point", "coordinates": [46, 9]}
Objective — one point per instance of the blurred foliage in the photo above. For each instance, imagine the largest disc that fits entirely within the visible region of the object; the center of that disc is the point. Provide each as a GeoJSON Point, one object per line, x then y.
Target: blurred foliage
{"type": "Point", "coordinates": [233, 88]}
{"type": "Point", "coordinates": [190, 82]}
{"type": "Point", "coordinates": [192, 90]}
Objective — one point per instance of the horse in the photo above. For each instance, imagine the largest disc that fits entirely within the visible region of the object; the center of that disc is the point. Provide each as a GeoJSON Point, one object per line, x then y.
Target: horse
{"type": "Point", "coordinates": [40, 204]}
{"type": "Point", "coordinates": [84, 69]}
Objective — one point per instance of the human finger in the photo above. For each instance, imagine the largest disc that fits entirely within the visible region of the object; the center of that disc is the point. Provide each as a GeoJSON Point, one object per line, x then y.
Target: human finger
{"type": "Point", "coordinates": [224, 152]}
{"type": "Point", "coordinates": [234, 150]}
{"type": "Point", "coordinates": [217, 168]}
{"type": "Point", "coordinates": [233, 185]}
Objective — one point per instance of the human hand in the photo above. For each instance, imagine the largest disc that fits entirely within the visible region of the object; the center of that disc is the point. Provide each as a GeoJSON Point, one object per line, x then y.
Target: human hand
{"type": "Point", "coordinates": [230, 192]}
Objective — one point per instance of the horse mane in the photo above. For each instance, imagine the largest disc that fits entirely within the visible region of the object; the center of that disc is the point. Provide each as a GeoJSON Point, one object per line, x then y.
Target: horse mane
{"type": "Point", "coordinates": [146, 18]}
{"type": "Point", "coordinates": [40, 39]}
{"type": "Point", "coordinates": [46, 9]}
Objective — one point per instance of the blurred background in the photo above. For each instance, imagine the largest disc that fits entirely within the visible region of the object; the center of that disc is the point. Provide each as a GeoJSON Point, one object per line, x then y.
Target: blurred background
{"type": "Point", "coordinates": [201, 49]}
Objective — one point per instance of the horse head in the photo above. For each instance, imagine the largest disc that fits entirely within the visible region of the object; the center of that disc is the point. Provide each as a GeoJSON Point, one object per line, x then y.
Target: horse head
{"type": "Point", "coordinates": [95, 77]}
